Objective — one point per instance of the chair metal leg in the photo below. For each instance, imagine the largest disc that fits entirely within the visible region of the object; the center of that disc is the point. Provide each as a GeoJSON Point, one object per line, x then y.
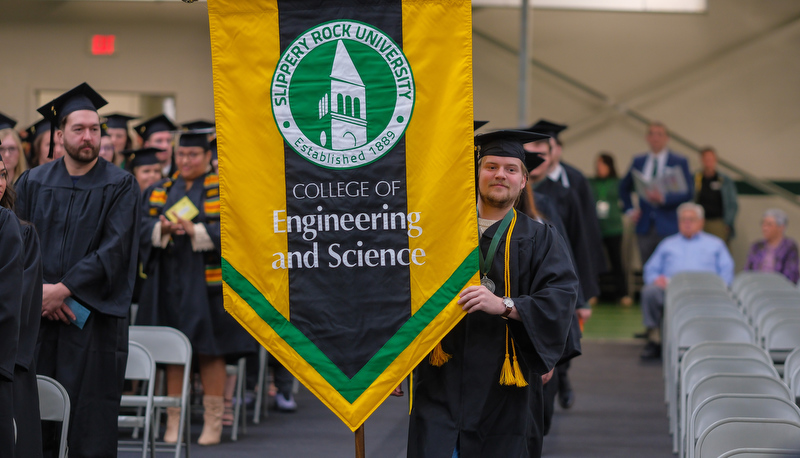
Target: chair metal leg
{"type": "Point", "coordinates": [263, 358]}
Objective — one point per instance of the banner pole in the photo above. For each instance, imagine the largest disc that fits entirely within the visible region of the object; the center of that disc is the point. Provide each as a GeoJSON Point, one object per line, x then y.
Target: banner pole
{"type": "Point", "coordinates": [360, 450]}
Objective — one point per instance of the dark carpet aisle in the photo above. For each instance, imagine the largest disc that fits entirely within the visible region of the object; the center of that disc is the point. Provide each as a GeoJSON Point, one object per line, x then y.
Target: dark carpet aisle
{"type": "Point", "coordinates": [619, 412]}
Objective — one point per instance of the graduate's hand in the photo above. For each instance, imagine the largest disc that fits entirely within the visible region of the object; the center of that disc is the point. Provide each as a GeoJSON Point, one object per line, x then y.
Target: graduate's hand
{"type": "Point", "coordinates": [168, 227]}
{"type": "Point", "coordinates": [53, 307]}
{"type": "Point", "coordinates": [474, 298]}
{"type": "Point", "coordinates": [546, 377]}
{"type": "Point", "coordinates": [398, 391]}
{"type": "Point", "coordinates": [584, 314]}
{"type": "Point", "coordinates": [186, 226]}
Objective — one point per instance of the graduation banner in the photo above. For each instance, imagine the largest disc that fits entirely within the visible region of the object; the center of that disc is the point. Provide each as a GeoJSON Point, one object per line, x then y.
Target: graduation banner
{"type": "Point", "coordinates": [346, 184]}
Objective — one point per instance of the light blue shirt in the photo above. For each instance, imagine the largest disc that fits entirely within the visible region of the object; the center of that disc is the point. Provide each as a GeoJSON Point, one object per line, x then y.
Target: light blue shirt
{"type": "Point", "coordinates": [703, 252]}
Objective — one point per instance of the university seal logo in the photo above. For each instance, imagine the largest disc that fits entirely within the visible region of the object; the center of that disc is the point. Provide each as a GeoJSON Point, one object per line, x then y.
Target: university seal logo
{"type": "Point", "coordinates": [342, 94]}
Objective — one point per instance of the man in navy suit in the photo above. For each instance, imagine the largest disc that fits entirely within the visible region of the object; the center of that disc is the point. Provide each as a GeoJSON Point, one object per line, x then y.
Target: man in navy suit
{"type": "Point", "coordinates": [656, 218]}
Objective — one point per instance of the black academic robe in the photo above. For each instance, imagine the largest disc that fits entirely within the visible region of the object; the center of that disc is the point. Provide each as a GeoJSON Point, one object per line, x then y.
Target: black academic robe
{"type": "Point", "coordinates": [176, 293]}
{"type": "Point", "coordinates": [462, 402]}
{"type": "Point", "coordinates": [26, 389]}
{"type": "Point", "coordinates": [580, 187]}
{"type": "Point", "coordinates": [548, 212]}
{"type": "Point", "coordinates": [11, 268]}
{"type": "Point", "coordinates": [569, 210]}
{"type": "Point", "coordinates": [89, 238]}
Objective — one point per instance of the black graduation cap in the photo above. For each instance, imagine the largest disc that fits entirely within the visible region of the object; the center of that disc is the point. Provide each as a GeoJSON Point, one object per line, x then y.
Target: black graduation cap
{"type": "Point", "coordinates": [159, 123]}
{"type": "Point", "coordinates": [38, 128]}
{"type": "Point", "coordinates": [138, 157]}
{"type": "Point", "coordinates": [195, 138]}
{"type": "Point", "coordinates": [508, 143]}
{"type": "Point", "coordinates": [118, 121]}
{"type": "Point", "coordinates": [478, 124]}
{"type": "Point", "coordinates": [6, 122]}
{"type": "Point", "coordinates": [547, 127]}
{"type": "Point", "coordinates": [81, 97]}
{"type": "Point", "coordinates": [200, 124]}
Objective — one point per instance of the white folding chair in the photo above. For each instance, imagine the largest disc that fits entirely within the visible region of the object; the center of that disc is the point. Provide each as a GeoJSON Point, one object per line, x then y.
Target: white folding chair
{"type": "Point", "coordinates": [54, 405]}
{"type": "Point", "coordinates": [734, 433]}
{"type": "Point", "coordinates": [783, 338]}
{"type": "Point", "coordinates": [169, 346]}
{"type": "Point", "coordinates": [694, 372]}
{"type": "Point", "coordinates": [721, 406]}
{"type": "Point", "coordinates": [706, 349]}
{"type": "Point", "coordinates": [761, 453]}
{"type": "Point", "coordinates": [675, 347]}
{"type": "Point", "coordinates": [688, 279]}
{"type": "Point", "coordinates": [791, 364]}
{"type": "Point", "coordinates": [262, 385]}
{"type": "Point", "coordinates": [239, 408]}
{"type": "Point", "coordinates": [141, 367]}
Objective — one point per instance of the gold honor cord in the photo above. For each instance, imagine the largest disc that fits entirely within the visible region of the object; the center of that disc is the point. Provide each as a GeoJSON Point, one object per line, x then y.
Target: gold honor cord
{"type": "Point", "coordinates": [510, 374]}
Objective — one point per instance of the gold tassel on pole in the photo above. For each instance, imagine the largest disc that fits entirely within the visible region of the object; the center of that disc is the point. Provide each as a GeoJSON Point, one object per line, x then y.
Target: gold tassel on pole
{"type": "Point", "coordinates": [439, 356]}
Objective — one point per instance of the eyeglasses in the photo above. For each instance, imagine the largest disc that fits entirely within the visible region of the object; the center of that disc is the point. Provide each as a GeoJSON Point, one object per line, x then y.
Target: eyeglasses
{"type": "Point", "coordinates": [107, 148]}
{"type": "Point", "coordinates": [192, 156]}
{"type": "Point", "coordinates": [8, 149]}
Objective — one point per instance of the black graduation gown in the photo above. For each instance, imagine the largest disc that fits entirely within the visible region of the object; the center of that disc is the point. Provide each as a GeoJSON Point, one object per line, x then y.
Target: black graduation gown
{"type": "Point", "coordinates": [549, 213]}
{"type": "Point", "coordinates": [176, 293]}
{"type": "Point", "coordinates": [462, 401]}
{"type": "Point", "coordinates": [89, 238]}
{"type": "Point", "coordinates": [11, 268]}
{"type": "Point", "coordinates": [580, 187]}
{"type": "Point", "coordinates": [26, 389]}
{"type": "Point", "coordinates": [571, 214]}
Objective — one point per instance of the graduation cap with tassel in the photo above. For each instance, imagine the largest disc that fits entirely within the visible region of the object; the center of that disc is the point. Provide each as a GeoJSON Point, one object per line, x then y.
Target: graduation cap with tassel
{"type": "Point", "coordinates": [81, 97]}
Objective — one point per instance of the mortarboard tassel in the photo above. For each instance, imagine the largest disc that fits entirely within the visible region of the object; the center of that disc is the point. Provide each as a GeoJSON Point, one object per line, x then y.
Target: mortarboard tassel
{"type": "Point", "coordinates": [439, 356]}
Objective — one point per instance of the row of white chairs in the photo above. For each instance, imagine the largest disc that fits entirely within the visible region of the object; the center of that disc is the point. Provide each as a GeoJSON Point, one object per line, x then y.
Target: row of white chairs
{"type": "Point", "coordinates": [718, 381]}
{"type": "Point", "coordinates": [772, 304]}
{"type": "Point", "coordinates": [167, 345]}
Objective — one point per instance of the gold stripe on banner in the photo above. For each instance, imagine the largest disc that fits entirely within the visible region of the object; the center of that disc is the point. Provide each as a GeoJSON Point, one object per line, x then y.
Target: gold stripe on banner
{"type": "Point", "coordinates": [246, 47]}
{"type": "Point", "coordinates": [437, 40]}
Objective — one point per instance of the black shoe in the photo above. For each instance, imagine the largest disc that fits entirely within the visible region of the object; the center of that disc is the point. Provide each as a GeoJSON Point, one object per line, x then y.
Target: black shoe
{"type": "Point", "coordinates": [651, 351]}
{"type": "Point", "coordinates": [641, 335]}
{"type": "Point", "coordinates": [566, 397]}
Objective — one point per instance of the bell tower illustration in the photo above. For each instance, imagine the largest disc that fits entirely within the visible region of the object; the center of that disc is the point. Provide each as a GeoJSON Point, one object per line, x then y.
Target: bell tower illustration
{"type": "Point", "coordinates": [346, 104]}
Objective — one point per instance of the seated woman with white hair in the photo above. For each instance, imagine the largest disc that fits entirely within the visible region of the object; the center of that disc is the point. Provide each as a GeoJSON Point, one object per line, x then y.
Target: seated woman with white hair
{"type": "Point", "coordinates": [776, 252]}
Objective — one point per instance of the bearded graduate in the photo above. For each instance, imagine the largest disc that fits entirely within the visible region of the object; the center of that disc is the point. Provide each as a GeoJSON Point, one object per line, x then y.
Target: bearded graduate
{"type": "Point", "coordinates": [480, 393]}
{"type": "Point", "coordinates": [85, 211]}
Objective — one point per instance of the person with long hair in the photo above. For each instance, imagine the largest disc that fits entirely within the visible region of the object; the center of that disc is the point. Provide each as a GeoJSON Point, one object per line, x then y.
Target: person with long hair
{"type": "Point", "coordinates": [605, 186]}
{"type": "Point", "coordinates": [25, 388]}
{"type": "Point", "coordinates": [11, 151]}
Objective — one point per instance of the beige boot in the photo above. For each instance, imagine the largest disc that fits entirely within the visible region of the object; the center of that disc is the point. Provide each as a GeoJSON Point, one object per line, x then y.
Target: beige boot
{"type": "Point", "coordinates": [173, 421]}
{"type": "Point", "coordinates": [212, 420]}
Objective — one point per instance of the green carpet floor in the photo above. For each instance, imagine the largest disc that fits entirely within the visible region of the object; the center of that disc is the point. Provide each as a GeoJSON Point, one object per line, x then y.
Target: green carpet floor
{"type": "Point", "coordinates": [612, 321]}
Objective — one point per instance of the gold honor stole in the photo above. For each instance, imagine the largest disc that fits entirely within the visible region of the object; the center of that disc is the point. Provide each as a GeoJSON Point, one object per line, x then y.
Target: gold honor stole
{"type": "Point", "coordinates": [347, 186]}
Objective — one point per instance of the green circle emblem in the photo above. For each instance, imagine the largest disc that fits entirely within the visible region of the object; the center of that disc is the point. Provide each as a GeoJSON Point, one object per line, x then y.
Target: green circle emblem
{"type": "Point", "coordinates": [342, 94]}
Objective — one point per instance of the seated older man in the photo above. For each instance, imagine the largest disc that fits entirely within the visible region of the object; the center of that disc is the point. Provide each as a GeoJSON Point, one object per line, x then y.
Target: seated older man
{"type": "Point", "coordinates": [690, 249]}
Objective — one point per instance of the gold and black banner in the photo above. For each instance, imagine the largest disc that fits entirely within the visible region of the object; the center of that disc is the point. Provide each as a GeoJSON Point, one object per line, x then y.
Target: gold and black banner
{"type": "Point", "coordinates": [346, 184]}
